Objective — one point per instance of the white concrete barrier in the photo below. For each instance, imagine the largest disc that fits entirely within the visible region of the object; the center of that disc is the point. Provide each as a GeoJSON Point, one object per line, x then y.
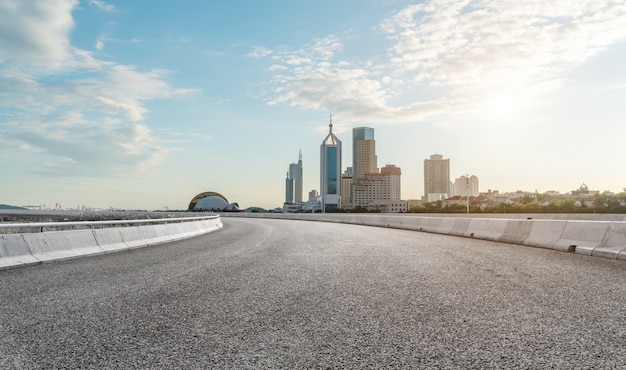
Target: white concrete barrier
{"type": "Point", "coordinates": [597, 235]}
{"type": "Point", "coordinates": [581, 236]}
{"type": "Point", "coordinates": [545, 233]}
{"type": "Point", "coordinates": [441, 225]}
{"type": "Point", "coordinates": [14, 252]}
{"type": "Point", "coordinates": [139, 236]}
{"type": "Point", "coordinates": [486, 228]}
{"type": "Point", "coordinates": [55, 245]}
{"type": "Point", "coordinates": [414, 223]}
{"type": "Point", "coordinates": [613, 245]}
{"type": "Point", "coordinates": [110, 239]}
{"type": "Point", "coordinates": [460, 226]}
{"type": "Point", "coordinates": [27, 249]}
{"type": "Point", "coordinates": [515, 231]}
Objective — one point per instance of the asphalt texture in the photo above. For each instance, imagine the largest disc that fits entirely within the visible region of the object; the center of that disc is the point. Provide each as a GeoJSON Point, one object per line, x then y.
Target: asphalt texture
{"type": "Point", "coordinates": [270, 294]}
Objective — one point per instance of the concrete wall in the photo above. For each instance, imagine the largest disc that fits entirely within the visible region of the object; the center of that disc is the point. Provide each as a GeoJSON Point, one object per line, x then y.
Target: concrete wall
{"type": "Point", "coordinates": [18, 250]}
{"type": "Point", "coordinates": [594, 235]}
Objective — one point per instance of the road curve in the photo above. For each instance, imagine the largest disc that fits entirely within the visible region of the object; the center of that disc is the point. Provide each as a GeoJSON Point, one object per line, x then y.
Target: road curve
{"type": "Point", "coordinates": [295, 294]}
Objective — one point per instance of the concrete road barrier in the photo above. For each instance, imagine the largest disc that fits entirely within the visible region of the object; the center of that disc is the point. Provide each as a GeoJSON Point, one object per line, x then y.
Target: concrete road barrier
{"type": "Point", "coordinates": [56, 245]}
{"type": "Point", "coordinates": [597, 235]}
{"type": "Point", "coordinates": [110, 239]}
{"type": "Point", "coordinates": [581, 236]}
{"type": "Point", "coordinates": [460, 226]}
{"type": "Point", "coordinates": [545, 233]}
{"type": "Point", "coordinates": [516, 231]}
{"type": "Point", "coordinates": [613, 244]}
{"type": "Point", "coordinates": [14, 252]}
{"type": "Point", "coordinates": [486, 228]}
{"type": "Point", "coordinates": [18, 250]}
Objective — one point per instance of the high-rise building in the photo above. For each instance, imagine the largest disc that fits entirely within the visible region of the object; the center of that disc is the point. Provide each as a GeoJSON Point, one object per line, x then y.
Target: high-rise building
{"type": "Point", "coordinates": [295, 172]}
{"type": "Point", "coordinates": [380, 191]}
{"type": "Point", "coordinates": [330, 171]}
{"type": "Point", "coordinates": [466, 185]}
{"type": "Point", "coordinates": [288, 189]}
{"type": "Point", "coordinates": [436, 178]}
{"type": "Point", "coordinates": [346, 187]}
{"type": "Point", "coordinates": [364, 159]}
{"type": "Point", "coordinates": [293, 182]}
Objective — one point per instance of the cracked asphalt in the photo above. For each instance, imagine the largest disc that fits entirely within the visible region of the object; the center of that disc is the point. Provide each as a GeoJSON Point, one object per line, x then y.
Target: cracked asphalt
{"type": "Point", "coordinates": [281, 294]}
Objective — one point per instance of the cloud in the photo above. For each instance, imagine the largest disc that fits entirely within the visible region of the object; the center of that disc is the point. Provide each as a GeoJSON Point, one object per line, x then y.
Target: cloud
{"type": "Point", "coordinates": [83, 113]}
{"type": "Point", "coordinates": [74, 145]}
{"type": "Point", "coordinates": [102, 6]}
{"type": "Point", "coordinates": [458, 53]}
{"type": "Point", "coordinates": [100, 43]}
{"type": "Point", "coordinates": [34, 31]}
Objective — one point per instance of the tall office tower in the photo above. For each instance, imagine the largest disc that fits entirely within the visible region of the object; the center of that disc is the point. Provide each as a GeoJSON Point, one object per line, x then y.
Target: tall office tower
{"type": "Point", "coordinates": [464, 186]}
{"type": "Point", "coordinates": [330, 171]}
{"type": "Point", "coordinates": [346, 187]}
{"type": "Point", "coordinates": [436, 178]}
{"type": "Point", "coordinates": [363, 152]}
{"type": "Point", "coordinates": [293, 182]}
{"type": "Point", "coordinates": [295, 172]}
{"type": "Point", "coordinates": [288, 189]}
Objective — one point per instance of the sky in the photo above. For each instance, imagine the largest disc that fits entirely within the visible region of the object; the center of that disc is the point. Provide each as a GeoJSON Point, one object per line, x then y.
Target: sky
{"type": "Point", "coordinates": [144, 104]}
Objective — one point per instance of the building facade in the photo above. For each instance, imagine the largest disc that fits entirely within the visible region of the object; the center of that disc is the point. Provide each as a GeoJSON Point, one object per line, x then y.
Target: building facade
{"type": "Point", "coordinates": [436, 178]}
{"type": "Point", "coordinates": [364, 158]}
{"type": "Point", "coordinates": [346, 187]}
{"type": "Point", "coordinates": [288, 189]}
{"type": "Point", "coordinates": [330, 171]}
{"type": "Point", "coordinates": [380, 191]}
{"type": "Point", "coordinates": [293, 182]}
{"type": "Point", "coordinates": [465, 185]}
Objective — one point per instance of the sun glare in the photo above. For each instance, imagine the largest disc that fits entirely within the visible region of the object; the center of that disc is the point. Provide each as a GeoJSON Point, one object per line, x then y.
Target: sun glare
{"type": "Point", "coordinates": [499, 105]}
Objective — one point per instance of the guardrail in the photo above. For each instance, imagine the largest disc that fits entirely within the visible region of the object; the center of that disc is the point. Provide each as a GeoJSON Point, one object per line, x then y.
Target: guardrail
{"type": "Point", "coordinates": [25, 249]}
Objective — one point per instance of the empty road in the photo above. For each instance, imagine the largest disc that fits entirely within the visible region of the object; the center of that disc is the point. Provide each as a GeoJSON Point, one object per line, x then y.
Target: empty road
{"type": "Point", "coordinates": [295, 294]}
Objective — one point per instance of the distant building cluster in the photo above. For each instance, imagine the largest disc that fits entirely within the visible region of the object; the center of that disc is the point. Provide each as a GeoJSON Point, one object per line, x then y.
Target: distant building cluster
{"type": "Point", "coordinates": [365, 186]}
{"type": "Point", "coordinates": [360, 186]}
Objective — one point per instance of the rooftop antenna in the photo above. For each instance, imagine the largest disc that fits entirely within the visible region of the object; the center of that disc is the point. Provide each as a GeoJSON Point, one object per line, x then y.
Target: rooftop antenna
{"type": "Point", "coordinates": [331, 123]}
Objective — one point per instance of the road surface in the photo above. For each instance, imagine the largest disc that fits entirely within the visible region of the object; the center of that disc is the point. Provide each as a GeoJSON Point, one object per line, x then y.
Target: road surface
{"type": "Point", "coordinates": [297, 294]}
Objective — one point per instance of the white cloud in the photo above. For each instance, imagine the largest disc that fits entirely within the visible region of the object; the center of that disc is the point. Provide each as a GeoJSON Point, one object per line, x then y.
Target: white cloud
{"type": "Point", "coordinates": [102, 6]}
{"type": "Point", "coordinates": [33, 31]}
{"type": "Point", "coordinates": [464, 53]}
{"type": "Point", "coordinates": [65, 103]}
{"type": "Point", "coordinates": [73, 145]}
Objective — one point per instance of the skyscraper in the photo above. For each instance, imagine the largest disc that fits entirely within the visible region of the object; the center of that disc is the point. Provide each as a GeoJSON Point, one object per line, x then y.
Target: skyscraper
{"type": "Point", "coordinates": [363, 152]}
{"type": "Point", "coordinates": [288, 189]}
{"type": "Point", "coordinates": [293, 182]}
{"type": "Point", "coordinates": [436, 178]}
{"type": "Point", "coordinates": [330, 171]}
{"type": "Point", "coordinates": [346, 187]}
{"type": "Point", "coordinates": [295, 172]}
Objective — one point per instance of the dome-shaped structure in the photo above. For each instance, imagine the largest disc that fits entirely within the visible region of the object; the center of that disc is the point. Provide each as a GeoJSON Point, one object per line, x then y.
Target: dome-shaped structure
{"type": "Point", "coordinates": [211, 201]}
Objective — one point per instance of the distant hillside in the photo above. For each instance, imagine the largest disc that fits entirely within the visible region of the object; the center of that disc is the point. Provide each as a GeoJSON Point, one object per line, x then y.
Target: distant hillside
{"type": "Point", "coordinates": [6, 206]}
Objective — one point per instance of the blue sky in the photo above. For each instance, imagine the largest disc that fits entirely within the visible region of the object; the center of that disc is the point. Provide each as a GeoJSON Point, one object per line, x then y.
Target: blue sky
{"type": "Point", "coordinates": [145, 104]}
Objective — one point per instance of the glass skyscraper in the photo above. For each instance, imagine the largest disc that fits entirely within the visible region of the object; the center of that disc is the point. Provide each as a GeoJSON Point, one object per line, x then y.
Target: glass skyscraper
{"type": "Point", "coordinates": [330, 171]}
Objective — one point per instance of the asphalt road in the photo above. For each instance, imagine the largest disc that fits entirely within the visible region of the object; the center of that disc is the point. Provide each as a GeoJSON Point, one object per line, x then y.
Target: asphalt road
{"type": "Point", "coordinates": [294, 294]}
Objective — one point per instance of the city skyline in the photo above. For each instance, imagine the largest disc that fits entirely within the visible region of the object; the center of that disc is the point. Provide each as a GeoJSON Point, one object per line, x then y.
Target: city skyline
{"type": "Point", "coordinates": [143, 105]}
